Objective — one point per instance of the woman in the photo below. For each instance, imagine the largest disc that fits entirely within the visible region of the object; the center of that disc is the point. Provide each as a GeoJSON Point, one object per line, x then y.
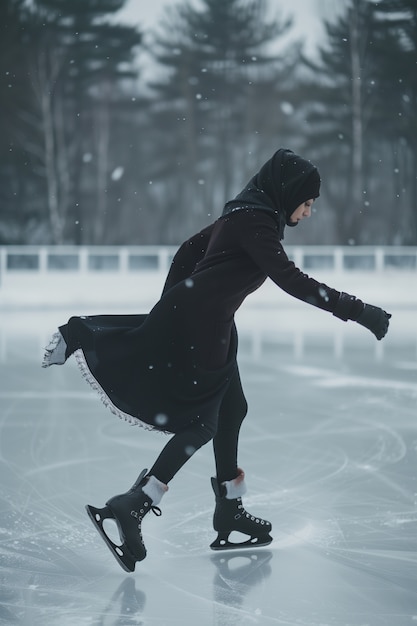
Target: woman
{"type": "Point", "coordinates": [175, 369]}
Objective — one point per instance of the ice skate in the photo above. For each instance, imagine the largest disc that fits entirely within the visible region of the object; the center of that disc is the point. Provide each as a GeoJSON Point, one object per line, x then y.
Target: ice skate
{"type": "Point", "coordinates": [128, 510]}
{"type": "Point", "coordinates": [230, 515]}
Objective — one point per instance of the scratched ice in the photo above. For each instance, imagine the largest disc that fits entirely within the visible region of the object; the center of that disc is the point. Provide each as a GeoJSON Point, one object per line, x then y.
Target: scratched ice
{"type": "Point", "coordinates": [329, 448]}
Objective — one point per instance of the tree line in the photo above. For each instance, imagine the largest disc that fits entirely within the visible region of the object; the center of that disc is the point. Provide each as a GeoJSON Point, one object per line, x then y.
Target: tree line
{"type": "Point", "coordinates": [94, 153]}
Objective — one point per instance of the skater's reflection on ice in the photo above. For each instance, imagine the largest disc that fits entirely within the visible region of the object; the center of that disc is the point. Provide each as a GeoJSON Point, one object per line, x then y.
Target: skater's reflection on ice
{"type": "Point", "coordinates": [237, 573]}
{"type": "Point", "coordinates": [128, 601]}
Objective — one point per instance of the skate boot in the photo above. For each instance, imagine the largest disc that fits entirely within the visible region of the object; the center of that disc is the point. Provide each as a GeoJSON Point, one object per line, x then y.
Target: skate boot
{"type": "Point", "coordinates": [128, 510]}
{"type": "Point", "coordinates": [229, 515]}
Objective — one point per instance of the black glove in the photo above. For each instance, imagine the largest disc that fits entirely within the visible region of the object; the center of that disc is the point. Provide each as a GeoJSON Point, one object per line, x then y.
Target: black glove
{"type": "Point", "coordinates": [375, 319]}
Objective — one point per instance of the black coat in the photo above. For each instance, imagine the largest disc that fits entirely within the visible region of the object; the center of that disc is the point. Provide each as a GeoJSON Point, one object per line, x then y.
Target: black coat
{"type": "Point", "coordinates": [173, 366]}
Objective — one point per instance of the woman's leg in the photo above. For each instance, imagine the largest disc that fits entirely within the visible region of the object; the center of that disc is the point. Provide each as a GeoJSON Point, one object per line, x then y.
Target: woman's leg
{"type": "Point", "coordinates": [129, 509]}
{"type": "Point", "coordinates": [224, 430]}
{"type": "Point", "coordinates": [225, 443]}
{"type": "Point", "coordinates": [229, 484]}
{"type": "Point", "coordinates": [180, 448]}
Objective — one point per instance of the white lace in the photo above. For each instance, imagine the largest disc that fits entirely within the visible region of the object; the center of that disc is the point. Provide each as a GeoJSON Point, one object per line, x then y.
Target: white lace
{"type": "Point", "coordinates": [88, 376]}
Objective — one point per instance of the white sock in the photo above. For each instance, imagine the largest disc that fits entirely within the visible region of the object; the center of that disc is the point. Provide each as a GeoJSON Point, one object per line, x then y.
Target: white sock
{"type": "Point", "coordinates": [235, 488]}
{"type": "Point", "coordinates": [155, 489]}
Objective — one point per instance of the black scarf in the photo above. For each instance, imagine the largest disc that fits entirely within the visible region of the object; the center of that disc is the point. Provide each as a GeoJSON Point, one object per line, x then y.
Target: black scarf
{"type": "Point", "coordinates": [280, 186]}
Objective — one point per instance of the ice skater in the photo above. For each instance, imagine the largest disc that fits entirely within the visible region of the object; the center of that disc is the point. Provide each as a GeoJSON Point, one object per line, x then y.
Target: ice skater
{"type": "Point", "coordinates": [175, 370]}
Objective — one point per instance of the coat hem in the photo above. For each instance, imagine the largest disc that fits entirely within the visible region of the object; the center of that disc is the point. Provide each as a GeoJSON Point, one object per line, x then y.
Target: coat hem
{"type": "Point", "coordinates": [95, 385]}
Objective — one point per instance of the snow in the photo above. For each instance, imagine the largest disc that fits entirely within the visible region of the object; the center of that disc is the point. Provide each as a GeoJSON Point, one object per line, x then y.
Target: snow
{"type": "Point", "coordinates": [328, 447]}
{"type": "Point", "coordinates": [117, 173]}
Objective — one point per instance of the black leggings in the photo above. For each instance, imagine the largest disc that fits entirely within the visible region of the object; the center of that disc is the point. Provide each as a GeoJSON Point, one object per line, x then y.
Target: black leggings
{"type": "Point", "coordinates": [223, 429]}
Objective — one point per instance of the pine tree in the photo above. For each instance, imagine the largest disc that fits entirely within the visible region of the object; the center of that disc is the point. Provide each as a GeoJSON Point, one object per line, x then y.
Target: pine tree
{"type": "Point", "coordinates": [78, 60]}
{"type": "Point", "coordinates": [395, 45]}
{"type": "Point", "coordinates": [338, 113]}
{"type": "Point", "coordinates": [356, 117]}
{"type": "Point", "coordinates": [18, 184]}
{"type": "Point", "coordinates": [209, 107]}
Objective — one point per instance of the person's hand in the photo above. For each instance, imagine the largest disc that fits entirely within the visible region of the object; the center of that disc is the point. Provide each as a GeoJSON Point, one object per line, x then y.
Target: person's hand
{"type": "Point", "coordinates": [375, 319]}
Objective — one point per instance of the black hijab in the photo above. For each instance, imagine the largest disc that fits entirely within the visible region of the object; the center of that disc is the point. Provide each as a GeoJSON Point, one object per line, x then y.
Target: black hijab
{"type": "Point", "coordinates": [280, 186]}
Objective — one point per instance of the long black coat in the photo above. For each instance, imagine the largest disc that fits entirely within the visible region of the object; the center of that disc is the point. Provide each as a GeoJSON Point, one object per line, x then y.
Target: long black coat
{"type": "Point", "coordinates": [173, 366]}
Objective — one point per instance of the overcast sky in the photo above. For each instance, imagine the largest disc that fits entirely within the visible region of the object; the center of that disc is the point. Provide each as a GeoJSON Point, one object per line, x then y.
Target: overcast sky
{"type": "Point", "coordinates": [308, 15]}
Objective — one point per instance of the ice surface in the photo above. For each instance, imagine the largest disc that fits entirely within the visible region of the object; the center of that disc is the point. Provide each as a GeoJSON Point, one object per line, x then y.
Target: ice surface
{"type": "Point", "coordinates": [329, 448]}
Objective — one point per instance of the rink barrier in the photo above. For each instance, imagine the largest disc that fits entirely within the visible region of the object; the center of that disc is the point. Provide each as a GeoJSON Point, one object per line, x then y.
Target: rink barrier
{"type": "Point", "coordinates": [16, 260]}
{"type": "Point", "coordinates": [258, 343]}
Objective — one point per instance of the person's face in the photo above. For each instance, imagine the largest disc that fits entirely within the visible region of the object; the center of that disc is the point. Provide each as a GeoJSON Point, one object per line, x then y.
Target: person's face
{"type": "Point", "coordinates": [302, 211]}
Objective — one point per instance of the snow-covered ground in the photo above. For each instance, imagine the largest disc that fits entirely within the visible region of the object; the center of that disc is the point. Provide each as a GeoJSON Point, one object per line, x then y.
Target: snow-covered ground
{"type": "Point", "coordinates": [329, 448]}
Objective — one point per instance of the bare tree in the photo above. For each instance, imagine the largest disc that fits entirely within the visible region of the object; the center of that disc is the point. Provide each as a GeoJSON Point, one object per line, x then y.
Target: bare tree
{"type": "Point", "coordinates": [45, 69]}
{"type": "Point", "coordinates": [101, 137]}
{"type": "Point", "coordinates": [356, 60]}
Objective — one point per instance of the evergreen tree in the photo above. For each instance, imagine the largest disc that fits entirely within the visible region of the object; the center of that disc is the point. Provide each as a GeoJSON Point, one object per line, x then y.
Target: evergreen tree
{"type": "Point", "coordinates": [395, 123]}
{"type": "Point", "coordinates": [338, 110]}
{"type": "Point", "coordinates": [210, 108]}
{"type": "Point", "coordinates": [77, 63]}
{"type": "Point", "coordinates": [18, 183]}
{"type": "Point", "coordinates": [355, 115]}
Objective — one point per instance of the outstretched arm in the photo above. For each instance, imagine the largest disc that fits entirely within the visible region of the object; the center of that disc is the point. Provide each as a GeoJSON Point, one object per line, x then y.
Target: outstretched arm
{"type": "Point", "coordinates": [260, 239]}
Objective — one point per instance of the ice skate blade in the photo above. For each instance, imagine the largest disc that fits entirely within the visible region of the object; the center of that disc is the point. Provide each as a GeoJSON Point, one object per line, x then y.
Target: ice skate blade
{"type": "Point", "coordinates": [222, 543]}
{"type": "Point", "coordinates": [120, 553]}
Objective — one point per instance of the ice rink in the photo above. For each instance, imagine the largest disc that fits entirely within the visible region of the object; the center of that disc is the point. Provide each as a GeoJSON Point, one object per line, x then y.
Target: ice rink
{"type": "Point", "coordinates": [329, 448]}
